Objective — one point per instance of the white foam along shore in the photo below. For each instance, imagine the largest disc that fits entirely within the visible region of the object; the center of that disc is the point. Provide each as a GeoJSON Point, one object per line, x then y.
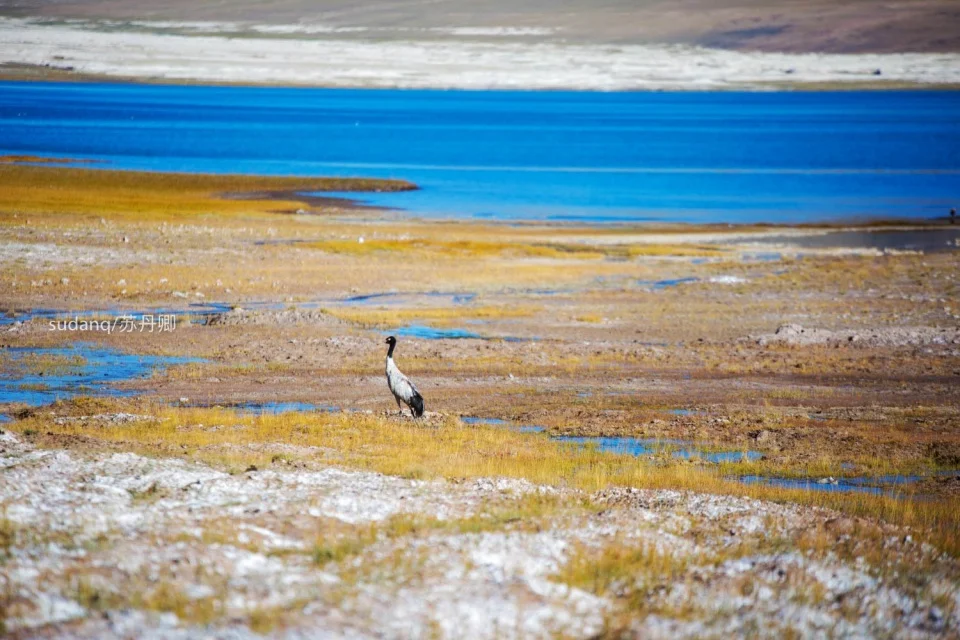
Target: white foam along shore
{"type": "Point", "coordinates": [490, 59]}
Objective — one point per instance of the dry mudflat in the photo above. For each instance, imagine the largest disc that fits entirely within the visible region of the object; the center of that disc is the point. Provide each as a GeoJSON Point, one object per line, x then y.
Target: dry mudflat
{"type": "Point", "coordinates": [794, 402]}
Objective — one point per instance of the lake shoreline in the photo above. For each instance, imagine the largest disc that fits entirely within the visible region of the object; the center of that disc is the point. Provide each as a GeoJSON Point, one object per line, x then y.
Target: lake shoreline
{"type": "Point", "coordinates": [861, 224]}
{"type": "Point", "coordinates": [46, 73]}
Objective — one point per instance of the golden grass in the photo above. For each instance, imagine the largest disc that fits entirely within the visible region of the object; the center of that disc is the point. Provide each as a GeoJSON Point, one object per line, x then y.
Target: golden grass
{"type": "Point", "coordinates": [163, 595]}
{"type": "Point", "coordinates": [94, 598]}
{"type": "Point", "coordinates": [641, 580]}
{"type": "Point", "coordinates": [143, 196]}
{"type": "Point", "coordinates": [168, 596]}
{"type": "Point", "coordinates": [618, 569]}
{"type": "Point", "coordinates": [9, 535]}
{"type": "Point", "coordinates": [450, 248]}
{"type": "Point", "coordinates": [338, 542]}
{"type": "Point", "coordinates": [50, 364]}
{"type": "Point", "coordinates": [440, 316]}
{"type": "Point", "coordinates": [679, 250]}
{"type": "Point", "coordinates": [452, 450]}
{"type": "Point", "coordinates": [325, 551]}
{"type": "Point", "coordinates": [522, 246]}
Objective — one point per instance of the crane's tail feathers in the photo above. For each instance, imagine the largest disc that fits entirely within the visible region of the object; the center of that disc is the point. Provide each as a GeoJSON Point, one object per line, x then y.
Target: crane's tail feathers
{"type": "Point", "coordinates": [416, 405]}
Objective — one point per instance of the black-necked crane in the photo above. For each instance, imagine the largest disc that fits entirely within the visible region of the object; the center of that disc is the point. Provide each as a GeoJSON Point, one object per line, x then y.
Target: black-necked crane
{"type": "Point", "coordinates": [400, 385]}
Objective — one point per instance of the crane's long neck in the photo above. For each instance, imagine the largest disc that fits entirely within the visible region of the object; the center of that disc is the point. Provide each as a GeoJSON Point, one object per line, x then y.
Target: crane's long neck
{"type": "Point", "coordinates": [390, 351]}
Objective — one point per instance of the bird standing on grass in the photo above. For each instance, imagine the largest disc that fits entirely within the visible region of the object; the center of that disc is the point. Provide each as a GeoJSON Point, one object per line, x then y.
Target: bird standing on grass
{"type": "Point", "coordinates": [400, 385]}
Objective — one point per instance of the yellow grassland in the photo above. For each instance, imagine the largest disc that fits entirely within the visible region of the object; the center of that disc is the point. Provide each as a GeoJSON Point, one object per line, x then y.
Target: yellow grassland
{"type": "Point", "coordinates": [442, 316]}
{"type": "Point", "coordinates": [146, 196]}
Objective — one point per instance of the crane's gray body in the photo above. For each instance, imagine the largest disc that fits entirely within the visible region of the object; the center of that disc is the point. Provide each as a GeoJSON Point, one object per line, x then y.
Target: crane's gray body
{"type": "Point", "coordinates": [402, 389]}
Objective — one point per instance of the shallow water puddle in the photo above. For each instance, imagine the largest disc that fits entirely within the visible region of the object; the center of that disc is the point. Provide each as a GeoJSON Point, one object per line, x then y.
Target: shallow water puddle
{"type": "Point", "coordinates": [875, 485]}
{"type": "Point", "coordinates": [547, 292]}
{"type": "Point", "coordinates": [270, 408]}
{"type": "Point", "coordinates": [842, 485]}
{"type": "Point", "coordinates": [652, 446]}
{"type": "Point", "coordinates": [432, 333]}
{"type": "Point", "coordinates": [658, 285]}
{"type": "Point", "coordinates": [200, 311]}
{"type": "Point", "coordinates": [389, 298]}
{"type": "Point", "coordinates": [60, 316]}
{"type": "Point", "coordinates": [38, 376]}
{"type": "Point", "coordinates": [284, 407]}
{"type": "Point", "coordinates": [762, 256]}
{"type": "Point", "coordinates": [686, 412]}
{"type": "Point", "coordinates": [628, 446]}
{"type": "Point", "coordinates": [491, 421]}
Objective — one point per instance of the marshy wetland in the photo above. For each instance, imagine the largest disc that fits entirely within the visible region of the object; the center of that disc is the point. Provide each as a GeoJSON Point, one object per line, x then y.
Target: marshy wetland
{"type": "Point", "coordinates": [632, 430]}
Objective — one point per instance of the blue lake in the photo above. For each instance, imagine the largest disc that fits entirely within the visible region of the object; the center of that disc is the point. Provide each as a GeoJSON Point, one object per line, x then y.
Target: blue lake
{"type": "Point", "coordinates": [600, 157]}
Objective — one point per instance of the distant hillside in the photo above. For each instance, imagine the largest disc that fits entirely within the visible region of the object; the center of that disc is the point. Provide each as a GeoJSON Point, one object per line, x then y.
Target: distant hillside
{"type": "Point", "coordinates": [835, 26]}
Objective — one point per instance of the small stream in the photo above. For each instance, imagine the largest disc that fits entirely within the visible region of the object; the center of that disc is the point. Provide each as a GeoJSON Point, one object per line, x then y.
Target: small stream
{"type": "Point", "coordinates": [628, 446]}
{"type": "Point", "coordinates": [890, 484]}
{"type": "Point", "coordinates": [686, 449]}
{"type": "Point", "coordinates": [267, 408]}
{"type": "Point", "coordinates": [112, 320]}
{"type": "Point", "coordinates": [39, 376]}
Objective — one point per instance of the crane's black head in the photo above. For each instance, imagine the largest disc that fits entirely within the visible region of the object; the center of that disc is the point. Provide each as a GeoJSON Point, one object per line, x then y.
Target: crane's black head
{"type": "Point", "coordinates": [391, 341]}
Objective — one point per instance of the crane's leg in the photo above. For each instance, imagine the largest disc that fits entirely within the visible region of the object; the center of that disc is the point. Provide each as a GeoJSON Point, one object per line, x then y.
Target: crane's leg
{"type": "Point", "coordinates": [399, 406]}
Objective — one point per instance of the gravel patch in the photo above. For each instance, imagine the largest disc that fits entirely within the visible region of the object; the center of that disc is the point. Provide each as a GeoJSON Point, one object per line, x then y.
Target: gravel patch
{"type": "Point", "coordinates": [121, 523]}
{"type": "Point", "coordinates": [795, 334]}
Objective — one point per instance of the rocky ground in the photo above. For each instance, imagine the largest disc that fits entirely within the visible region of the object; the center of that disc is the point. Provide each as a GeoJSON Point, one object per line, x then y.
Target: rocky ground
{"type": "Point", "coordinates": [108, 544]}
